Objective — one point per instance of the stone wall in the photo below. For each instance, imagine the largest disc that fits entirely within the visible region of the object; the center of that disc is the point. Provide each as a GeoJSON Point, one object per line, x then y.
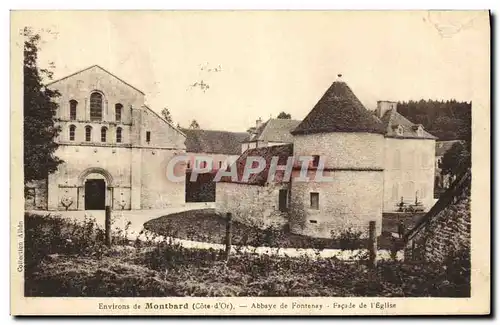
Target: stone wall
{"type": "Point", "coordinates": [354, 197]}
{"type": "Point", "coordinates": [79, 87]}
{"type": "Point", "coordinates": [343, 150]}
{"type": "Point", "coordinates": [252, 205]}
{"type": "Point", "coordinates": [352, 200]}
{"type": "Point", "coordinates": [446, 233]}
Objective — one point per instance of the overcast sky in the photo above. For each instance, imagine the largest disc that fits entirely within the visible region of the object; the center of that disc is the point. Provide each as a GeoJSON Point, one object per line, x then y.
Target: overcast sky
{"type": "Point", "coordinates": [270, 61]}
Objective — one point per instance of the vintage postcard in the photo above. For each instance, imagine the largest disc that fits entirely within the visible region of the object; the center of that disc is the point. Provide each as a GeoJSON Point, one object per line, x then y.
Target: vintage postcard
{"type": "Point", "coordinates": [250, 163]}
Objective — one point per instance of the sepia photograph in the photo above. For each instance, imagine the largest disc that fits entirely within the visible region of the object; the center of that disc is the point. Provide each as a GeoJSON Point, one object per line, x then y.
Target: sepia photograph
{"type": "Point", "coordinates": [168, 155]}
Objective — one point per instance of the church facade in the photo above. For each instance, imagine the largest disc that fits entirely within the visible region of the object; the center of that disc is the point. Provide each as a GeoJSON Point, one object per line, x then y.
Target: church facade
{"type": "Point", "coordinates": [115, 149]}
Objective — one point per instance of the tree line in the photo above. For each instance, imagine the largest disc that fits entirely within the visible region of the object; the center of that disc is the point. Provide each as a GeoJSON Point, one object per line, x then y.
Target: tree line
{"type": "Point", "coordinates": [447, 120]}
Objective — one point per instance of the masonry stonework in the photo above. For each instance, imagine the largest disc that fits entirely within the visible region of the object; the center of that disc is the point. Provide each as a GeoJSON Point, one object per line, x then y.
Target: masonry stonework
{"type": "Point", "coordinates": [447, 233]}
{"type": "Point", "coordinates": [126, 147]}
{"type": "Point", "coordinates": [252, 204]}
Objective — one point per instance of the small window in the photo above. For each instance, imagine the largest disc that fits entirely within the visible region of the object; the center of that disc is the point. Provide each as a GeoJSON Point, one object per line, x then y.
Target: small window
{"type": "Point", "coordinates": [315, 161]}
{"type": "Point", "coordinates": [96, 107]}
{"type": "Point", "coordinates": [118, 112]}
{"type": "Point", "coordinates": [104, 131]}
{"type": "Point", "coordinates": [220, 164]}
{"type": "Point", "coordinates": [283, 200]}
{"type": "Point", "coordinates": [315, 200]}
{"type": "Point", "coordinates": [203, 164]}
{"type": "Point", "coordinates": [118, 135]}
{"type": "Point", "coordinates": [189, 164]}
{"type": "Point", "coordinates": [397, 159]}
{"type": "Point", "coordinates": [72, 109]}
{"type": "Point", "coordinates": [88, 133]}
{"type": "Point", "coordinates": [148, 136]}
{"type": "Point", "coordinates": [72, 131]}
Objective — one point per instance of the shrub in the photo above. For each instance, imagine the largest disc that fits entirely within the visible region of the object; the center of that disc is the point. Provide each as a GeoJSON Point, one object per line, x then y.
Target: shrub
{"type": "Point", "coordinates": [349, 239]}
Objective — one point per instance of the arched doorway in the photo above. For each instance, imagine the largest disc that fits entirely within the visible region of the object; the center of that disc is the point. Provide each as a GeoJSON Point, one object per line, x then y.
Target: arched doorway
{"type": "Point", "coordinates": [96, 188]}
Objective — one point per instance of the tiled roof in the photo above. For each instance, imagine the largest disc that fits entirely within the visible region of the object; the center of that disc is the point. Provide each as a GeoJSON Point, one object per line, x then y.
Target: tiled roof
{"type": "Point", "coordinates": [443, 146]}
{"type": "Point", "coordinates": [282, 152]}
{"type": "Point", "coordinates": [339, 110]}
{"type": "Point", "coordinates": [392, 119]}
{"type": "Point", "coordinates": [275, 130]}
{"type": "Point", "coordinates": [216, 142]}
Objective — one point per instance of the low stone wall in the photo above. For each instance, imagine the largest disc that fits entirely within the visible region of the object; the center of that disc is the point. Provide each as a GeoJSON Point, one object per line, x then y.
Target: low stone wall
{"type": "Point", "coordinates": [252, 205]}
{"type": "Point", "coordinates": [445, 234]}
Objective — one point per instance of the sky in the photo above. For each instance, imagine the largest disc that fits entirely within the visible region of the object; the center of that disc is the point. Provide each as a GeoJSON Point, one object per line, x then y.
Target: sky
{"type": "Point", "coordinates": [269, 61]}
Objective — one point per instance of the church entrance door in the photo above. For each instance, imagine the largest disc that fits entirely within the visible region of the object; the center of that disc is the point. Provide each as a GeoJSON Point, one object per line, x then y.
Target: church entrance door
{"type": "Point", "coordinates": [95, 194]}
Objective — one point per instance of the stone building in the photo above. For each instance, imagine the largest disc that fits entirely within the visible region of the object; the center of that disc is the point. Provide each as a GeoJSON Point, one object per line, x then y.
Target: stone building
{"type": "Point", "coordinates": [372, 159]}
{"type": "Point", "coordinates": [257, 201]}
{"type": "Point", "coordinates": [408, 160]}
{"type": "Point", "coordinates": [115, 148]}
{"type": "Point", "coordinates": [208, 151]}
{"type": "Point", "coordinates": [274, 132]}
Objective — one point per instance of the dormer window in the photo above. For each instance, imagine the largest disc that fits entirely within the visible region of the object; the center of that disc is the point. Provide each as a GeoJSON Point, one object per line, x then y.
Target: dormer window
{"type": "Point", "coordinates": [398, 129]}
{"type": "Point", "coordinates": [419, 129]}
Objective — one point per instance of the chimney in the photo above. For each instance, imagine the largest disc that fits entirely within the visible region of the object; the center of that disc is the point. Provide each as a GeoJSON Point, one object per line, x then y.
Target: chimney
{"type": "Point", "coordinates": [258, 123]}
{"type": "Point", "coordinates": [384, 106]}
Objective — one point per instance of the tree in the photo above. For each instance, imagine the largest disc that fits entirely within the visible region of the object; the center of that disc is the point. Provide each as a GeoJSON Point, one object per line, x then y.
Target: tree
{"type": "Point", "coordinates": [284, 116]}
{"type": "Point", "coordinates": [165, 112]}
{"type": "Point", "coordinates": [39, 111]}
{"type": "Point", "coordinates": [456, 159]}
{"type": "Point", "coordinates": [194, 125]}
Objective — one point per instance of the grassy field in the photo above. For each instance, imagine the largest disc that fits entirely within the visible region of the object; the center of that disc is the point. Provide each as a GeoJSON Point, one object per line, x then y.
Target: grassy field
{"type": "Point", "coordinates": [207, 226]}
{"type": "Point", "coordinates": [69, 259]}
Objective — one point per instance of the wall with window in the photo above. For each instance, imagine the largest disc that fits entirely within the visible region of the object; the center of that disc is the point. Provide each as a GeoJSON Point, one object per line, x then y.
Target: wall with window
{"type": "Point", "coordinates": [153, 128]}
{"type": "Point", "coordinates": [93, 95]}
{"type": "Point", "coordinates": [115, 133]}
{"type": "Point", "coordinates": [409, 172]}
{"type": "Point", "coordinates": [343, 150]}
{"type": "Point", "coordinates": [253, 205]}
{"type": "Point", "coordinates": [351, 200]}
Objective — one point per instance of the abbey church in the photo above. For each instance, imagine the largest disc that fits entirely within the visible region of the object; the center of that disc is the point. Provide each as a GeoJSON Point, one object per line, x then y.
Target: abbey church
{"type": "Point", "coordinates": [115, 149]}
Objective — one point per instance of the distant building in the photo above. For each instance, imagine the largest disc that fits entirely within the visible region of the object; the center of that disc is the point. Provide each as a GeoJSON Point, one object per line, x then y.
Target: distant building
{"type": "Point", "coordinates": [408, 160]}
{"type": "Point", "coordinates": [220, 146]}
{"type": "Point", "coordinates": [209, 151]}
{"type": "Point", "coordinates": [274, 132]}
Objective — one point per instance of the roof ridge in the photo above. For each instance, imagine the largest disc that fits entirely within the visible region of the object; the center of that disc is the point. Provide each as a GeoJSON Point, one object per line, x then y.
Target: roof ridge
{"type": "Point", "coordinates": [339, 110]}
{"type": "Point", "coordinates": [164, 120]}
{"type": "Point", "coordinates": [98, 66]}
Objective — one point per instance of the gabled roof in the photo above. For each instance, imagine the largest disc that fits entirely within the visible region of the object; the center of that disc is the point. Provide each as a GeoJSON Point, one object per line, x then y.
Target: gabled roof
{"type": "Point", "coordinates": [282, 152]}
{"type": "Point", "coordinates": [165, 121]}
{"type": "Point", "coordinates": [95, 65]}
{"type": "Point", "coordinates": [392, 119]}
{"type": "Point", "coordinates": [211, 141]}
{"type": "Point", "coordinates": [275, 130]}
{"type": "Point", "coordinates": [339, 110]}
{"type": "Point", "coordinates": [443, 146]}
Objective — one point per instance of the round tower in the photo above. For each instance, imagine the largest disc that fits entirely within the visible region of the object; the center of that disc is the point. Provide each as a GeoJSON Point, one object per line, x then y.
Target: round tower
{"type": "Point", "coordinates": [344, 186]}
